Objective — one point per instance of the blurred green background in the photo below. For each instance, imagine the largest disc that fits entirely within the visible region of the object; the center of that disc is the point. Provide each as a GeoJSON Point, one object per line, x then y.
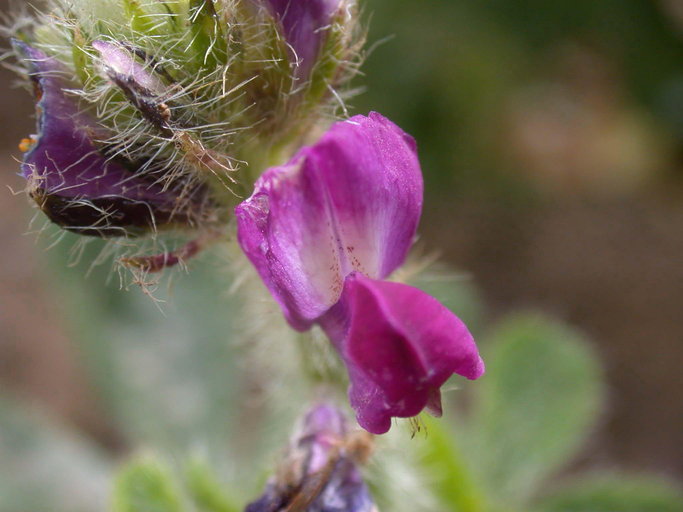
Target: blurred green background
{"type": "Point", "coordinates": [551, 138]}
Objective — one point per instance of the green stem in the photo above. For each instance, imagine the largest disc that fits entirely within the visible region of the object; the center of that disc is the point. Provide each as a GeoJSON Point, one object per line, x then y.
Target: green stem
{"type": "Point", "coordinates": [457, 487]}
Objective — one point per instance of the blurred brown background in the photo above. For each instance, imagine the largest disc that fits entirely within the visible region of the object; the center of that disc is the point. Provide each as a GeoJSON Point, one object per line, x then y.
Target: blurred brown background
{"type": "Point", "coordinates": [556, 171]}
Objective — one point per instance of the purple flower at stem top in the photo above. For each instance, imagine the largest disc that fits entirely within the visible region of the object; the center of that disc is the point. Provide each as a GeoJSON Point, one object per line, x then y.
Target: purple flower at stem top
{"type": "Point", "coordinates": [324, 231]}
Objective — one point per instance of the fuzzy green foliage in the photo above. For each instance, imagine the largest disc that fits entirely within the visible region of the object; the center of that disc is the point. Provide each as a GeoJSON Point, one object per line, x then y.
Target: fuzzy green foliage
{"type": "Point", "coordinates": [614, 493]}
{"type": "Point", "coordinates": [207, 493]}
{"type": "Point", "coordinates": [530, 415]}
{"type": "Point", "coordinates": [202, 381]}
{"type": "Point", "coordinates": [149, 485]}
{"type": "Point", "coordinates": [535, 406]}
{"type": "Point", "coordinates": [208, 40]}
{"type": "Point", "coordinates": [455, 485]}
{"type": "Point", "coordinates": [146, 486]}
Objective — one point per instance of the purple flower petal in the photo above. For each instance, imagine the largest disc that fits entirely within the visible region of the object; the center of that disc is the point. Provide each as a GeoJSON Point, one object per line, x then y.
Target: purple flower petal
{"type": "Point", "coordinates": [350, 203]}
{"type": "Point", "coordinates": [72, 178]}
{"type": "Point", "coordinates": [303, 23]}
{"type": "Point", "coordinates": [400, 345]}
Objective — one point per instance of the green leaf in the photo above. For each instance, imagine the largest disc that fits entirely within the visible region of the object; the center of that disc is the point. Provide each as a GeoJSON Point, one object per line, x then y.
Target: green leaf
{"type": "Point", "coordinates": [453, 482]}
{"type": "Point", "coordinates": [79, 56]}
{"type": "Point", "coordinates": [140, 21]}
{"type": "Point", "coordinates": [208, 38]}
{"type": "Point", "coordinates": [534, 407]}
{"type": "Point", "coordinates": [607, 493]}
{"type": "Point", "coordinates": [396, 476]}
{"type": "Point", "coordinates": [205, 490]}
{"type": "Point", "coordinates": [146, 485]}
{"type": "Point", "coordinates": [173, 379]}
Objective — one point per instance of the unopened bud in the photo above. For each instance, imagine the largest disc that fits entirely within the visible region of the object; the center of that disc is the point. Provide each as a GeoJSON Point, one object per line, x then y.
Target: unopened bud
{"type": "Point", "coordinates": [320, 471]}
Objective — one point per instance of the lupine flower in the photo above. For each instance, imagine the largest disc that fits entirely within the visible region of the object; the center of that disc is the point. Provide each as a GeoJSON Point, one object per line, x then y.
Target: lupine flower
{"type": "Point", "coordinates": [76, 180]}
{"type": "Point", "coordinates": [320, 470]}
{"type": "Point", "coordinates": [324, 231]}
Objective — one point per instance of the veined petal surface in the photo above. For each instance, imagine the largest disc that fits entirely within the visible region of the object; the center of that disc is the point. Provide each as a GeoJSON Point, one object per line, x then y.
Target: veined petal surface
{"type": "Point", "coordinates": [349, 203]}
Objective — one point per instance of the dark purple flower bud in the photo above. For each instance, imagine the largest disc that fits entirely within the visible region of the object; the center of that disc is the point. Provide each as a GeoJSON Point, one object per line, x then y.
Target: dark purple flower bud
{"type": "Point", "coordinates": [323, 231]}
{"type": "Point", "coordinates": [320, 470]}
{"type": "Point", "coordinates": [304, 23]}
{"type": "Point", "coordinates": [76, 180]}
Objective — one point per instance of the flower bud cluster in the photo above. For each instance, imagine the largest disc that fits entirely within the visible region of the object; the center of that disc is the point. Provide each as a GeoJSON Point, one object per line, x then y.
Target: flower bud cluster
{"type": "Point", "coordinates": [160, 114]}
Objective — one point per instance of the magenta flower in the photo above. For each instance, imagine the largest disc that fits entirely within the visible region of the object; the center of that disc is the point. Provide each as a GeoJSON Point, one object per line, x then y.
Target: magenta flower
{"type": "Point", "coordinates": [77, 180]}
{"type": "Point", "coordinates": [324, 231]}
{"type": "Point", "coordinates": [304, 24]}
{"type": "Point", "coordinates": [320, 471]}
